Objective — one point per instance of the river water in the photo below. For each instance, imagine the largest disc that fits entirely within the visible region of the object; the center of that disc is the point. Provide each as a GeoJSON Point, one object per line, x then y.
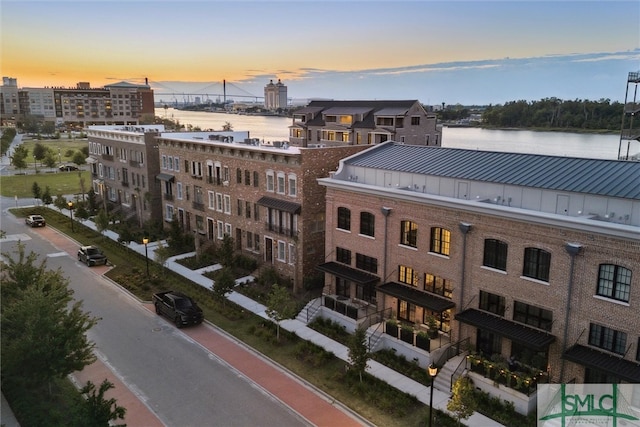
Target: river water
{"type": "Point", "coordinates": [519, 141]}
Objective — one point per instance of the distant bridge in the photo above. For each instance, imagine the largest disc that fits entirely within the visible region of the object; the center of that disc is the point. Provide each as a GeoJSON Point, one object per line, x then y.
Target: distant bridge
{"type": "Point", "coordinates": [215, 92]}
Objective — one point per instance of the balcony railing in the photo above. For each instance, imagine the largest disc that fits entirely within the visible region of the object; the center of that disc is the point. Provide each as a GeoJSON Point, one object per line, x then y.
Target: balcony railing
{"type": "Point", "coordinates": [108, 157]}
{"type": "Point", "coordinates": [198, 206]}
{"type": "Point", "coordinates": [134, 163]}
{"type": "Point", "coordinates": [125, 183]}
{"type": "Point", "coordinates": [168, 196]}
{"type": "Point", "coordinates": [278, 229]}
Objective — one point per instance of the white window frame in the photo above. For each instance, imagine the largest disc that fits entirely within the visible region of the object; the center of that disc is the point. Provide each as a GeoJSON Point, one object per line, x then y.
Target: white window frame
{"type": "Point", "coordinates": [219, 202]}
{"type": "Point", "coordinates": [176, 163]}
{"type": "Point", "coordinates": [293, 185]}
{"type": "Point", "coordinates": [227, 204]}
{"type": "Point", "coordinates": [227, 229]}
{"type": "Point", "coordinates": [212, 200]}
{"type": "Point", "coordinates": [292, 253]}
{"type": "Point", "coordinates": [281, 183]}
{"type": "Point", "coordinates": [220, 229]}
{"type": "Point", "coordinates": [270, 181]}
{"type": "Point", "coordinates": [169, 213]}
{"type": "Point", "coordinates": [164, 161]}
{"type": "Point", "coordinates": [179, 190]}
{"type": "Point", "coordinates": [281, 253]}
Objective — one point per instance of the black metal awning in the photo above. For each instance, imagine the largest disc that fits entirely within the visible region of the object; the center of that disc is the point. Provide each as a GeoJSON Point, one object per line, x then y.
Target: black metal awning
{"type": "Point", "coordinates": [417, 297]}
{"type": "Point", "coordinates": [348, 273]}
{"type": "Point", "coordinates": [281, 205]}
{"type": "Point", "coordinates": [165, 177]}
{"type": "Point", "coordinates": [522, 334]}
{"type": "Point", "coordinates": [624, 369]}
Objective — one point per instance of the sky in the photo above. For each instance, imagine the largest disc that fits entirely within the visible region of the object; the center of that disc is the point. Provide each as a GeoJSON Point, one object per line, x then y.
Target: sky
{"type": "Point", "coordinates": [452, 52]}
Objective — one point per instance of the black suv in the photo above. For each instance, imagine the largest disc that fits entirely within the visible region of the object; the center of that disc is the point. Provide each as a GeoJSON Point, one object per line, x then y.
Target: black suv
{"type": "Point", "coordinates": [91, 255]}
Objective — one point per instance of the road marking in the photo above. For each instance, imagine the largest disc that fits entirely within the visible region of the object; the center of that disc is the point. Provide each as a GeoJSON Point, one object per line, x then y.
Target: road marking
{"type": "Point", "coordinates": [57, 254]}
{"type": "Point", "coordinates": [15, 237]}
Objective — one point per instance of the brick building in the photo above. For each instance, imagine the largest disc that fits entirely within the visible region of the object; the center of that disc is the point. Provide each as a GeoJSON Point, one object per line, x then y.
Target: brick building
{"type": "Point", "coordinates": [339, 123]}
{"type": "Point", "coordinates": [530, 256]}
{"type": "Point", "coordinates": [266, 197]}
{"type": "Point", "coordinates": [124, 164]}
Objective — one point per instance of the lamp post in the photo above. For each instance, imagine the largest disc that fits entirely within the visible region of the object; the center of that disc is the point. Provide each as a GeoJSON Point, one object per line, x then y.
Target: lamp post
{"type": "Point", "coordinates": [146, 254]}
{"type": "Point", "coordinates": [35, 166]}
{"type": "Point", "coordinates": [70, 205]}
{"type": "Point", "coordinates": [433, 371]}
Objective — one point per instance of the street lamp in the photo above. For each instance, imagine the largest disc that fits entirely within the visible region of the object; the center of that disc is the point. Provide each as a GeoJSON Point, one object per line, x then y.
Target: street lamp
{"type": "Point", "coordinates": [70, 205]}
{"type": "Point", "coordinates": [433, 371]}
{"type": "Point", "coordinates": [146, 254]}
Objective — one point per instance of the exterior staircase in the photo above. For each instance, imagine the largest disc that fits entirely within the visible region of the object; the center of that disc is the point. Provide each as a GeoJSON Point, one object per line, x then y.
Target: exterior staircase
{"type": "Point", "coordinates": [309, 312]}
{"type": "Point", "coordinates": [374, 334]}
{"type": "Point", "coordinates": [442, 381]}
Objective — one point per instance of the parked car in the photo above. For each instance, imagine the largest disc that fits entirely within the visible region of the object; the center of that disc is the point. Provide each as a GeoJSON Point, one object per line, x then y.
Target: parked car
{"type": "Point", "coordinates": [178, 307]}
{"type": "Point", "coordinates": [91, 255]}
{"type": "Point", "coordinates": [67, 168]}
{"type": "Point", "coordinates": [35, 221]}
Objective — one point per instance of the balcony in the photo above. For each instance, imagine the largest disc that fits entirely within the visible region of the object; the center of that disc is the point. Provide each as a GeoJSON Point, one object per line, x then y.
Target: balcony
{"type": "Point", "coordinates": [125, 183]}
{"type": "Point", "coordinates": [168, 196]}
{"type": "Point", "coordinates": [107, 157]}
{"type": "Point", "coordinates": [134, 163]}
{"type": "Point", "coordinates": [631, 134]}
{"type": "Point", "coordinates": [198, 206]}
{"type": "Point", "coordinates": [283, 231]}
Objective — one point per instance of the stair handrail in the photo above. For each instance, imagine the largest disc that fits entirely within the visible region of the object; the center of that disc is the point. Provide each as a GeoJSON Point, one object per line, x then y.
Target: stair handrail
{"type": "Point", "coordinates": [317, 301]}
{"type": "Point", "coordinates": [380, 322]}
{"type": "Point", "coordinates": [462, 366]}
{"type": "Point", "coordinates": [452, 351]}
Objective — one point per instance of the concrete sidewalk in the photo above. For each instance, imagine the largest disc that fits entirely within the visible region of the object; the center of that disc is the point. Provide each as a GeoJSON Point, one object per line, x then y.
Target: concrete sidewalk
{"type": "Point", "coordinates": [395, 379]}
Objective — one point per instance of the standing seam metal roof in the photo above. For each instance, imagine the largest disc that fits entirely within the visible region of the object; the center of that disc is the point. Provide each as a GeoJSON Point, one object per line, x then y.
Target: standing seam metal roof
{"type": "Point", "coordinates": [612, 178]}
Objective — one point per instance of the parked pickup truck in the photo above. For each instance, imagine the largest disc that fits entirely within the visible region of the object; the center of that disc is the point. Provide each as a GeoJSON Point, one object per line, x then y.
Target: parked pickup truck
{"type": "Point", "coordinates": [178, 307]}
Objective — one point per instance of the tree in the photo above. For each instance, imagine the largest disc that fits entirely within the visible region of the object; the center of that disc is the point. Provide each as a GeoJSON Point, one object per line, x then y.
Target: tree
{"type": "Point", "coordinates": [81, 211]}
{"type": "Point", "coordinates": [79, 158]}
{"type": "Point", "coordinates": [39, 151]}
{"type": "Point", "coordinates": [280, 306]}
{"type": "Point", "coordinates": [161, 254]}
{"type": "Point", "coordinates": [91, 200]}
{"type": "Point", "coordinates": [102, 221]}
{"type": "Point", "coordinates": [97, 411]}
{"type": "Point", "coordinates": [19, 159]}
{"type": "Point", "coordinates": [227, 127]}
{"type": "Point", "coordinates": [46, 196]}
{"type": "Point", "coordinates": [60, 202]}
{"type": "Point", "coordinates": [462, 402]}
{"type": "Point", "coordinates": [36, 191]}
{"type": "Point", "coordinates": [43, 330]}
{"type": "Point", "coordinates": [223, 284]}
{"type": "Point", "coordinates": [225, 254]}
{"type": "Point", "coordinates": [358, 351]}
{"type": "Point", "coordinates": [50, 159]}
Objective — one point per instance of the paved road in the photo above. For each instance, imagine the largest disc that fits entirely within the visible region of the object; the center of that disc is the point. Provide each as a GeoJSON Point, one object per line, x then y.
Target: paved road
{"type": "Point", "coordinates": [179, 380]}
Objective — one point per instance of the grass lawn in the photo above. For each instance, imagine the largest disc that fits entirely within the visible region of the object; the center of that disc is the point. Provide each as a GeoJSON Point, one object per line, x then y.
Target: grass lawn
{"type": "Point", "coordinates": [59, 183]}
{"type": "Point", "coordinates": [66, 145]}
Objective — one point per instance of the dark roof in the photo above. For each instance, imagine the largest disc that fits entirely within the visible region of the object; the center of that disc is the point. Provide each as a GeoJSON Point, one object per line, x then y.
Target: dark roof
{"type": "Point", "coordinates": [356, 107]}
{"type": "Point", "coordinates": [281, 205]}
{"type": "Point", "coordinates": [614, 178]}
{"type": "Point", "coordinates": [423, 299]}
{"type": "Point", "coordinates": [348, 273]}
{"type": "Point", "coordinates": [377, 104]}
{"type": "Point", "coordinates": [522, 334]}
{"type": "Point", "coordinates": [165, 177]}
{"type": "Point", "coordinates": [624, 369]}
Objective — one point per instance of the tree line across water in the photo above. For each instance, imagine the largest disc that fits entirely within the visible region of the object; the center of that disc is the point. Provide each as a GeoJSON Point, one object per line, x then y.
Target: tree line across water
{"type": "Point", "coordinates": [547, 113]}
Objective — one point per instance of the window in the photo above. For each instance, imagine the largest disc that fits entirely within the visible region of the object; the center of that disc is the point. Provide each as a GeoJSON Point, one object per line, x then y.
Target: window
{"type": "Point", "coordinates": [344, 218]}
{"type": "Point", "coordinates": [176, 163]}
{"type": "Point", "coordinates": [179, 190]}
{"type": "Point", "coordinates": [270, 182]}
{"type": "Point", "coordinates": [219, 202]}
{"type": "Point", "coordinates": [343, 255]}
{"type": "Point", "coordinates": [440, 240]}
{"type": "Point", "coordinates": [407, 275]}
{"type": "Point", "coordinates": [227, 204]}
{"type": "Point", "coordinates": [367, 223]}
{"type": "Point", "coordinates": [607, 338]}
{"type": "Point", "coordinates": [415, 121]}
{"type": "Point", "coordinates": [212, 199]}
{"type": "Point", "coordinates": [227, 229]}
{"type": "Point", "coordinates": [247, 177]}
{"type": "Point", "coordinates": [292, 253]}
{"type": "Point", "coordinates": [536, 264]}
{"type": "Point", "coordinates": [495, 254]}
{"type": "Point", "coordinates": [198, 195]}
{"type": "Point", "coordinates": [409, 234]}
{"type": "Point", "coordinates": [281, 183]}
{"type": "Point", "coordinates": [249, 240]}
{"type": "Point", "coordinates": [164, 162]}
{"type": "Point", "coordinates": [240, 203]}
{"type": "Point", "coordinates": [367, 263]}
{"type": "Point", "coordinates": [238, 176]}
{"type": "Point", "coordinates": [169, 213]}
{"type": "Point", "coordinates": [255, 179]}
{"type": "Point", "coordinates": [293, 189]}
{"type": "Point", "coordinates": [492, 303]}
{"type": "Point", "coordinates": [282, 251]}
{"type": "Point", "coordinates": [406, 311]}
{"type": "Point", "coordinates": [614, 282]}
{"type": "Point", "coordinates": [532, 315]}
{"type": "Point", "coordinates": [437, 285]}
{"type": "Point", "coordinates": [247, 210]}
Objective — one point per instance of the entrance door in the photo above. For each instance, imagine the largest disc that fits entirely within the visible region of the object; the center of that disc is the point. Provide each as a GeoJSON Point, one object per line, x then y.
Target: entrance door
{"type": "Point", "coordinates": [268, 250]}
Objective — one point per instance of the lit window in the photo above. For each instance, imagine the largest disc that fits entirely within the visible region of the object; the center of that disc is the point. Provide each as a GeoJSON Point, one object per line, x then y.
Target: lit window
{"type": "Point", "coordinates": [409, 234]}
{"type": "Point", "coordinates": [440, 240]}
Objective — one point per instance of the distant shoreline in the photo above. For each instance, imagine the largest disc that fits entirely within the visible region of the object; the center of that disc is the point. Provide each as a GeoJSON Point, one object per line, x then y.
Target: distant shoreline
{"type": "Point", "coordinates": [538, 129]}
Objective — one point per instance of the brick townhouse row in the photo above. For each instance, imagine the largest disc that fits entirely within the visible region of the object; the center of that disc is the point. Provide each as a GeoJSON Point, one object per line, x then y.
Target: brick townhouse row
{"type": "Point", "coordinates": [535, 257]}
